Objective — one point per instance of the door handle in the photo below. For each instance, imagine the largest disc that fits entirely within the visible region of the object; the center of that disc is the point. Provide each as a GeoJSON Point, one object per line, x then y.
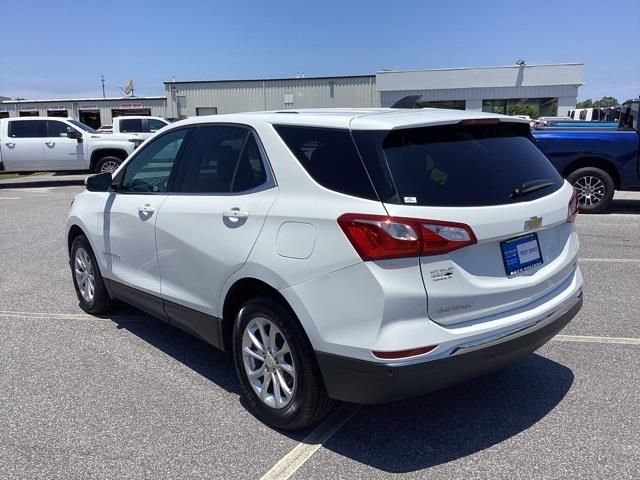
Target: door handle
{"type": "Point", "coordinates": [235, 214]}
{"type": "Point", "coordinates": [146, 208]}
{"type": "Point", "coordinates": [10, 144]}
{"type": "Point", "coordinates": [50, 144]}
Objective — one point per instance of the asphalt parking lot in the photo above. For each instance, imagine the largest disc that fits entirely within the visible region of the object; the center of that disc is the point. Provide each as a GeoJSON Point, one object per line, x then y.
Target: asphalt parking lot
{"type": "Point", "coordinates": [131, 397]}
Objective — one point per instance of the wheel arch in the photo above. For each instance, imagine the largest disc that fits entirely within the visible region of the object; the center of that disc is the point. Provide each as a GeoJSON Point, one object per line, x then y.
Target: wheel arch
{"type": "Point", "coordinates": [239, 293]}
{"type": "Point", "coordinates": [602, 163]}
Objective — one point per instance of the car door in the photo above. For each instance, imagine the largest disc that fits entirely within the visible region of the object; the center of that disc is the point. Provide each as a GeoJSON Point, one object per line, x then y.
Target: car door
{"type": "Point", "coordinates": [23, 149]}
{"type": "Point", "coordinates": [62, 152]}
{"type": "Point", "coordinates": [129, 221]}
{"type": "Point", "coordinates": [206, 230]}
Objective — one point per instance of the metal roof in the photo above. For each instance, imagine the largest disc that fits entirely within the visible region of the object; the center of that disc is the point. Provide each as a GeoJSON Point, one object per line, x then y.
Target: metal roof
{"type": "Point", "coordinates": [275, 79]}
{"type": "Point", "coordinates": [96, 99]}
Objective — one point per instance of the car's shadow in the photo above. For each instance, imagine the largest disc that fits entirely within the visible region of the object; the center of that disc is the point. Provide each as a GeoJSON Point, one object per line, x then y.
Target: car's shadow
{"type": "Point", "coordinates": [623, 205]}
{"type": "Point", "coordinates": [201, 357]}
{"type": "Point", "coordinates": [403, 436]}
{"type": "Point", "coordinates": [443, 426]}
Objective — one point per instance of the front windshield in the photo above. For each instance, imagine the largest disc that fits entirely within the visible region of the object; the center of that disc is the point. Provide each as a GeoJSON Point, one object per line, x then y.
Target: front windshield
{"type": "Point", "coordinates": [82, 126]}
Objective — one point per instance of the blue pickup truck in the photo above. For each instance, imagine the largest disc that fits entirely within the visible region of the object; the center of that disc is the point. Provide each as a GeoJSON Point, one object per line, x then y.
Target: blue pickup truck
{"type": "Point", "coordinates": [596, 161]}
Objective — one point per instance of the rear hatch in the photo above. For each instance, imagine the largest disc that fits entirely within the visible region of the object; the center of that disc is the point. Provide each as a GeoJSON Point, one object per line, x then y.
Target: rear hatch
{"type": "Point", "coordinates": [491, 209]}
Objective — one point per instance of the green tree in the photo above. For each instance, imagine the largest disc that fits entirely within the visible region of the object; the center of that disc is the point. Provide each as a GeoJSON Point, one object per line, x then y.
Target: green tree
{"type": "Point", "coordinates": [606, 102]}
{"type": "Point", "coordinates": [588, 103]}
{"type": "Point", "coordinates": [524, 109]}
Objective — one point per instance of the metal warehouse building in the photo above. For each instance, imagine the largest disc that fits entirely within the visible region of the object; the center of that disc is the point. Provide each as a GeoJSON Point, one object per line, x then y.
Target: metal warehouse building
{"type": "Point", "coordinates": [231, 96]}
{"type": "Point", "coordinates": [552, 89]}
{"type": "Point", "coordinates": [91, 111]}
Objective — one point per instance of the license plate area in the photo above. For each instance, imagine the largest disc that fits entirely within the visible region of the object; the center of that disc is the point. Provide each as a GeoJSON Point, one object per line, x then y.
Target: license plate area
{"type": "Point", "coordinates": [520, 254]}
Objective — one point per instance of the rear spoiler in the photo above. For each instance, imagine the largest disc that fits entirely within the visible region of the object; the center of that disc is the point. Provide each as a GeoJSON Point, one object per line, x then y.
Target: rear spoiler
{"type": "Point", "coordinates": [410, 101]}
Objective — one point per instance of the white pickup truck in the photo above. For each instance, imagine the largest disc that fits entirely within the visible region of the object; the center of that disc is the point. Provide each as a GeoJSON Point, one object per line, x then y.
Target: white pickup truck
{"type": "Point", "coordinates": [53, 144]}
{"type": "Point", "coordinates": [143, 126]}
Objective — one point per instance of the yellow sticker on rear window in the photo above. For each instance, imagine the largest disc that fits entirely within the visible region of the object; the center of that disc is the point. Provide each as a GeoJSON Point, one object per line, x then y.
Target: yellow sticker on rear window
{"type": "Point", "coordinates": [439, 176]}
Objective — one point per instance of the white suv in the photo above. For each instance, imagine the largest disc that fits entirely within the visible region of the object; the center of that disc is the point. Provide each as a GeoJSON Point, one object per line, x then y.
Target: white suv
{"type": "Point", "coordinates": [357, 255]}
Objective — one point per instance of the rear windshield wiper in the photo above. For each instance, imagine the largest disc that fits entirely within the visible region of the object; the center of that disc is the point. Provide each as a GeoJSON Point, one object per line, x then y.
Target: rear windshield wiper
{"type": "Point", "coordinates": [530, 187]}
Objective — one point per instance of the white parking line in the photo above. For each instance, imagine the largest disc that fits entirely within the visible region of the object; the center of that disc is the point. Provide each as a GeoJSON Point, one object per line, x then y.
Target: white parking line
{"type": "Point", "coordinates": [590, 339]}
{"type": "Point", "coordinates": [608, 260]}
{"type": "Point", "coordinates": [297, 457]}
{"type": "Point", "coordinates": [9, 198]}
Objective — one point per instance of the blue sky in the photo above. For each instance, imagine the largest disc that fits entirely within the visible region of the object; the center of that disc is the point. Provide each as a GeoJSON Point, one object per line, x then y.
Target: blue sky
{"type": "Point", "coordinates": [59, 49]}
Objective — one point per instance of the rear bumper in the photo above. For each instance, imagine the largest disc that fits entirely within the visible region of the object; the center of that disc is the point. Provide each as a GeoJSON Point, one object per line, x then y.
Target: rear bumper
{"type": "Point", "coordinates": [360, 381]}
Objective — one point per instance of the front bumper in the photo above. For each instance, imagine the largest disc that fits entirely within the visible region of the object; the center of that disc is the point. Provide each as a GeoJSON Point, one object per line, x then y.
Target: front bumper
{"type": "Point", "coordinates": [359, 381]}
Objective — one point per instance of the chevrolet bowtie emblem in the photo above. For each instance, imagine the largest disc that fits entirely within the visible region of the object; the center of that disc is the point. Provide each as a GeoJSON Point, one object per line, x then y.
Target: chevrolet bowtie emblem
{"type": "Point", "coordinates": [533, 223]}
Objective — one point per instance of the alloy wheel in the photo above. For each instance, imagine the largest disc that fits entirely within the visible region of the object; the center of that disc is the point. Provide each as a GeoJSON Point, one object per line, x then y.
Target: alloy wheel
{"type": "Point", "coordinates": [85, 276]}
{"type": "Point", "coordinates": [268, 363]}
{"type": "Point", "coordinates": [109, 166]}
{"type": "Point", "coordinates": [591, 190]}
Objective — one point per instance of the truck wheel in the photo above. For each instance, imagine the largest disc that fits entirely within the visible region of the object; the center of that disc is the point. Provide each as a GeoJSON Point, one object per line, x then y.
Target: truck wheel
{"type": "Point", "coordinates": [107, 164]}
{"type": "Point", "coordinates": [276, 366]}
{"type": "Point", "coordinates": [595, 188]}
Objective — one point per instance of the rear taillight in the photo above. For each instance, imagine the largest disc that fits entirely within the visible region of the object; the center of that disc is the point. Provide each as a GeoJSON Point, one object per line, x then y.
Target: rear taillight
{"type": "Point", "coordinates": [376, 237]}
{"type": "Point", "coordinates": [572, 212]}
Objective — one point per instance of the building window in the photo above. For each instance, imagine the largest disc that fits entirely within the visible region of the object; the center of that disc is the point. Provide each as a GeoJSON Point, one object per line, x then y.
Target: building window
{"type": "Point", "coordinates": [450, 104]}
{"type": "Point", "coordinates": [533, 107]}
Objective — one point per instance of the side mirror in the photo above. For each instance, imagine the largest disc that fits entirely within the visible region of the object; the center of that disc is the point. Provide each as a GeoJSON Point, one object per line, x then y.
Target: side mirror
{"type": "Point", "coordinates": [99, 183]}
{"type": "Point", "coordinates": [74, 134]}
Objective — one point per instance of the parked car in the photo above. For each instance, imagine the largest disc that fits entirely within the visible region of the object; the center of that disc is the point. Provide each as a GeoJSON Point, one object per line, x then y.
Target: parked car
{"type": "Point", "coordinates": [596, 161]}
{"type": "Point", "coordinates": [55, 144]}
{"type": "Point", "coordinates": [143, 126]}
{"type": "Point", "coordinates": [361, 255]}
{"type": "Point", "coordinates": [105, 129]}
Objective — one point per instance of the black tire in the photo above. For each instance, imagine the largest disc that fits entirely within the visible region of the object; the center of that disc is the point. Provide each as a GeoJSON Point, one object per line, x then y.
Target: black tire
{"type": "Point", "coordinates": [107, 161]}
{"type": "Point", "coordinates": [101, 302]}
{"type": "Point", "coordinates": [605, 188]}
{"type": "Point", "coordinates": [309, 402]}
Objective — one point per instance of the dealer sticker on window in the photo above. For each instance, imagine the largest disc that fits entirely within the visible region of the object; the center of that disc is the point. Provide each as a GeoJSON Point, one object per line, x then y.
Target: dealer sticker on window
{"type": "Point", "coordinates": [521, 254]}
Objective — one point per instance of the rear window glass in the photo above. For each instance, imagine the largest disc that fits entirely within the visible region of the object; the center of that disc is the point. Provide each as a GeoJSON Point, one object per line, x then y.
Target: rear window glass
{"type": "Point", "coordinates": [470, 165]}
{"type": "Point", "coordinates": [330, 157]}
{"type": "Point", "coordinates": [131, 125]}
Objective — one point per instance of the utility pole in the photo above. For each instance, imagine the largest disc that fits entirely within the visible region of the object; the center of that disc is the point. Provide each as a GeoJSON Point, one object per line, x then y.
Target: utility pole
{"type": "Point", "coordinates": [102, 81]}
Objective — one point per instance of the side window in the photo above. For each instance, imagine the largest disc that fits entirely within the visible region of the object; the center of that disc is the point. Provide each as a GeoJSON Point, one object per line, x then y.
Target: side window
{"type": "Point", "coordinates": [28, 129]}
{"type": "Point", "coordinates": [250, 172]}
{"type": "Point", "coordinates": [155, 125]}
{"type": "Point", "coordinates": [330, 157]}
{"type": "Point", "coordinates": [149, 170]}
{"type": "Point", "coordinates": [131, 125]}
{"type": "Point", "coordinates": [213, 159]}
{"type": "Point", "coordinates": [56, 129]}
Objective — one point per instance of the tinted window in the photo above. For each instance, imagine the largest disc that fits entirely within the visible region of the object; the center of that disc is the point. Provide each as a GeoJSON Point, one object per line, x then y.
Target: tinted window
{"type": "Point", "coordinates": [250, 173]}
{"type": "Point", "coordinates": [131, 125]}
{"type": "Point", "coordinates": [457, 165]}
{"type": "Point", "coordinates": [330, 157]}
{"type": "Point", "coordinates": [155, 125]}
{"type": "Point", "coordinates": [28, 129]}
{"type": "Point", "coordinates": [150, 169]}
{"type": "Point", "coordinates": [213, 159]}
{"type": "Point", "coordinates": [56, 129]}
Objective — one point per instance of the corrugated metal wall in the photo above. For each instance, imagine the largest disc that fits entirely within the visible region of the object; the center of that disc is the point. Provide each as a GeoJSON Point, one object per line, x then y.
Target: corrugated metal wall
{"type": "Point", "coordinates": [243, 96]}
